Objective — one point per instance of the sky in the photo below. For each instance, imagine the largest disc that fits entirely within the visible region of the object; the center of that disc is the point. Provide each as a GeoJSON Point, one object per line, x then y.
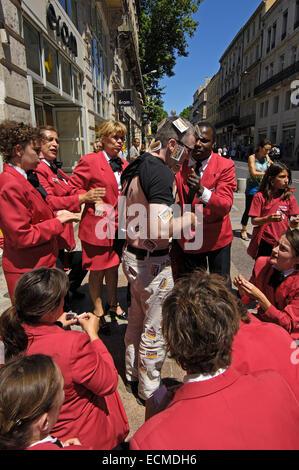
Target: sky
{"type": "Point", "coordinates": [219, 22]}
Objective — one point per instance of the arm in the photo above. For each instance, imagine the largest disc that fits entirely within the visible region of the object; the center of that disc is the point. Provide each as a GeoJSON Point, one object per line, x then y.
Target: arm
{"type": "Point", "coordinates": [288, 317]}
{"type": "Point", "coordinates": [16, 220]}
{"type": "Point", "coordinates": [162, 224]}
{"type": "Point", "coordinates": [92, 365]}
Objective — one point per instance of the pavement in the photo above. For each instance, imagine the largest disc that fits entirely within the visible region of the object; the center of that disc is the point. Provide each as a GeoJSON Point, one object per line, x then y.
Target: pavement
{"type": "Point", "coordinates": [241, 263]}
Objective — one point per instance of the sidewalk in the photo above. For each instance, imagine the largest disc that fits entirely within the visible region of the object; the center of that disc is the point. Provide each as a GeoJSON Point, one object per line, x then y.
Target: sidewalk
{"type": "Point", "coordinates": [115, 343]}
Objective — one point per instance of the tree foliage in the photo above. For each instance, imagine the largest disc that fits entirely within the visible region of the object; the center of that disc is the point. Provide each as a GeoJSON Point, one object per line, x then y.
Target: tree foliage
{"type": "Point", "coordinates": [186, 113]}
{"type": "Point", "coordinates": [164, 26]}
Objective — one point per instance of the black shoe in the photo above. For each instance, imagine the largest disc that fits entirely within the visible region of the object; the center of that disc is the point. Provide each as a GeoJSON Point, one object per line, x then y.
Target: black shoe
{"type": "Point", "coordinates": [109, 310]}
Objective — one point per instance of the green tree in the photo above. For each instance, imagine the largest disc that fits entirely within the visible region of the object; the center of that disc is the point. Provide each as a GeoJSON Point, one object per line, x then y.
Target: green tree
{"type": "Point", "coordinates": [186, 113]}
{"type": "Point", "coordinates": [164, 26]}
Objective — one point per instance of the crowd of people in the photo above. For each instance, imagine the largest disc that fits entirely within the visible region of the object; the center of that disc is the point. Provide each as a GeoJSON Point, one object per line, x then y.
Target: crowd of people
{"type": "Point", "coordinates": [165, 215]}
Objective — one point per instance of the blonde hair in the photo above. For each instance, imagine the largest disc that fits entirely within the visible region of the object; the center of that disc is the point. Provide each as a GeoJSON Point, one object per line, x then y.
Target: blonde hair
{"type": "Point", "coordinates": [109, 127]}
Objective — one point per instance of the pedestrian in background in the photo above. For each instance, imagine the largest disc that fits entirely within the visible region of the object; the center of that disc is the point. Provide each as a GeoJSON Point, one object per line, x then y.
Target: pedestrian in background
{"type": "Point", "coordinates": [257, 165]}
{"type": "Point", "coordinates": [134, 150]}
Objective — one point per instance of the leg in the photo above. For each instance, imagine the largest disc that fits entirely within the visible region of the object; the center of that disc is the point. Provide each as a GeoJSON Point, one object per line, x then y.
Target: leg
{"type": "Point", "coordinates": [245, 216]}
{"type": "Point", "coordinates": [265, 249]}
{"type": "Point", "coordinates": [193, 261]}
{"type": "Point", "coordinates": [152, 348]}
{"type": "Point", "coordinates": [95, 285]}
{"type": "Point", "coordinates": [77, 273]}
{"type": "Point", "coordinates": [219, 262]}
{"type": "Point", "coordinates": [111, 277]}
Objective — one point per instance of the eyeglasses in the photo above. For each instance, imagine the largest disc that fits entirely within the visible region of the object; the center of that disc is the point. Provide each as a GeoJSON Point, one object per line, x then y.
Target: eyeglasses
{"type": "Point", "coordinates": [186, 146]}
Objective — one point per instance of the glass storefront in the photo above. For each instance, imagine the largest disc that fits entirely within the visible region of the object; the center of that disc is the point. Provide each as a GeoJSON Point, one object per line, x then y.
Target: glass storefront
{"type": "Point", "coordinates": [57, 93]}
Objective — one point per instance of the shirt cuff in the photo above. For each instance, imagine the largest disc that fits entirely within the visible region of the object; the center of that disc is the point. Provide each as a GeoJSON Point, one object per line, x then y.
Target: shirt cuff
{"type": "Point", "coordinates": [206, 196]}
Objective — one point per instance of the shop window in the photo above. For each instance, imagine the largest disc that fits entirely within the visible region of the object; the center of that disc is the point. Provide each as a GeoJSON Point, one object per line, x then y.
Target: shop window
{"type": "Point", "coordinates": [275, 104]}
{"type": "Point", "coordinates": [50, 61]}
{"type": "Point", "coordinates": [66, 77]}
{"type": "Point", "coordinates": [77, 85]}
{"type": "Point", "coordinates": [32, 47]}
{"type": "Point", "coordinates": [288, 142]}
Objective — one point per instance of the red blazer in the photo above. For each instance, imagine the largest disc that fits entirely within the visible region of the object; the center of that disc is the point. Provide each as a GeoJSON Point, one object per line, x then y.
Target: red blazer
{"type": "Point", "coordinates": [94, 171]}
{"type": "Point", "coordinates": [230, 411]}
{"type": "Point", "coordinates": [219, 177]}
{"type": "Point", "coordinates": [92, 409]}
{"type": "Point", "coordinates": [251, 347]}
{"type": "Point", "coordinates": [28, 224]}
{"type": "Point", "coordinates": [284, 299]}
{"type": "Point", "coordinates": [52, 446]}
{"type": "Point", "coordinates": [68, 199]}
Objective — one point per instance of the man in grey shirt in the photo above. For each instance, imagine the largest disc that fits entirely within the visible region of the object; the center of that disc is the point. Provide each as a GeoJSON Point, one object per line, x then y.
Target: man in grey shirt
{"type": "Point", "coordinates": [134, 152]}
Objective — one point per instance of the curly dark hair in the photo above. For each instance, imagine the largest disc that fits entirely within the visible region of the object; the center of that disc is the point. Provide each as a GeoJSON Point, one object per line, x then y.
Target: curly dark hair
{"type": "Point", "coordinates": [200, 319]}
{"type": "Point", "coordinates": [14, 133]}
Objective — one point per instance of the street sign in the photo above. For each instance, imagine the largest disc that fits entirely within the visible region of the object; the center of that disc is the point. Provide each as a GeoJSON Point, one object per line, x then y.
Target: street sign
{"type": "Point", "coordinates": [124, 98]}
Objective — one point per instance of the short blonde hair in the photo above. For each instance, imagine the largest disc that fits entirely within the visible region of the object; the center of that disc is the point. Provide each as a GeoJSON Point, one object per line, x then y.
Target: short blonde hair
{"type": "Point", "coordinates": [110, 127]}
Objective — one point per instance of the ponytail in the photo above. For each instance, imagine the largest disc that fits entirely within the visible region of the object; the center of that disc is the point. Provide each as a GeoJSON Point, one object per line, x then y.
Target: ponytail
{"type": "Point", "coordinates": [12, 333]}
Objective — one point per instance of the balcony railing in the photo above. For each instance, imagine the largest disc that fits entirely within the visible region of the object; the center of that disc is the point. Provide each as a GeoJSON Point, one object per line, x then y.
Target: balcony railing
{"type": "Point", "coordinates": [229, 94]}
{"type": "Point", "coordinates": [279, 77]}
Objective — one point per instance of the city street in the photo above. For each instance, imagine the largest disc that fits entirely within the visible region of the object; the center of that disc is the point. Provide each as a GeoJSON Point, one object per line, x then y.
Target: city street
{"type": "Point", "coordinates": [241, 263]}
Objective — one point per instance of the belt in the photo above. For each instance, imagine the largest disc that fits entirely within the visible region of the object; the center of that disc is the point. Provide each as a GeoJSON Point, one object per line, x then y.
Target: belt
{"type": "Point", "coordinates": [142, 254]}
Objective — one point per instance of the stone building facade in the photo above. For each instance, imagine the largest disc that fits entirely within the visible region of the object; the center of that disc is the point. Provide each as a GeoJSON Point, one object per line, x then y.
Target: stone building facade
{"type": "Point", "coordinates": [71, 64]}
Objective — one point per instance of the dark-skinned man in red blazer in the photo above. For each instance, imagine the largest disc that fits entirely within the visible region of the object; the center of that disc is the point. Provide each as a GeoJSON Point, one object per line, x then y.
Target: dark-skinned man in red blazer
{"type": "Point", "coordinates": [208, 179]}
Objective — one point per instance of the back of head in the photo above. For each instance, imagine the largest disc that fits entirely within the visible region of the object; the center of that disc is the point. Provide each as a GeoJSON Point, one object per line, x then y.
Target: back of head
{"type": "Point", "coordinates": [200, 319]}
{"type": "Point", "coordinates": [28, 387]}
{"type": "Point", "coordinates": [173, 128]}
{"type": "Point", "coordinates": [292, 236]}
{"type": "Point", "coordinates": [37, 293]}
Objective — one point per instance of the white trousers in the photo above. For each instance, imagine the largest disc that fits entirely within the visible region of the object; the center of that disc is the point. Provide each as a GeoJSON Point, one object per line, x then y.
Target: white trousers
{"type": "Point", "coordinates": [150, 281]}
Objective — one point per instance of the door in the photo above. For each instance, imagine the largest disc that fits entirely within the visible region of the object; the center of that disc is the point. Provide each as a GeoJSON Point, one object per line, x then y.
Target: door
{"type": "Point", "coordinates": [69, 125]}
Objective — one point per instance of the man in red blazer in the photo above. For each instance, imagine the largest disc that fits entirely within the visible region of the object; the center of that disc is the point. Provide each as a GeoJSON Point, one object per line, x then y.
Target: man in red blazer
{"type": "Point", "coordinates": [216, 407]}
{"type": "Point", "coordinates": [208, 179]}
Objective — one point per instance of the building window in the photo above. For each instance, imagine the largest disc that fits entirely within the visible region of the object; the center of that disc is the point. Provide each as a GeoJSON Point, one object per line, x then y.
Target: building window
{"type": "Point", "coordinates": [284, 25]}
{"type": "Point", "coordinates": [32, 42]}
{"type": "Point", "coordinates": [51, 65]}
{"type": "Point", "coordinates": [261, 110]}
{"type": "Point", "coordinates": [281, 62]}
{"type": "Point", "coordinates": [287, 104]}
{"type": "Point", "coordinates": [71, 7]}
{"type": "Point", "coordinates": [275, 104]}
{"type": "Point", "coordinates": [269, 40]}
{"type": "Point", "coordinates": [294, 55]}
{"type": "Point", "coordinates": [273, 36]}
{"type": "Point", "coordinates": [266, 108]}
{"type": "Point", "coordinates": [66, 77]}
{"type": "Point", "coordinates": [296, 23]}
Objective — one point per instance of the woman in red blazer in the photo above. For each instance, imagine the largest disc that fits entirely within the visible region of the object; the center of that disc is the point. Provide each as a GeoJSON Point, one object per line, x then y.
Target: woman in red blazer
{"type": "Point", "coordinates": [31, 395]}
{"type": "Point", "coordinates": [92, 410]}
{"type": "Point", "coordinates": [99, 224]}
{"type": "Point", "coordinates": [29, 225]}
{"type": "Point", "coordinates": [274, 284]}
{"type": "Point", "coordinates": [56, 183]}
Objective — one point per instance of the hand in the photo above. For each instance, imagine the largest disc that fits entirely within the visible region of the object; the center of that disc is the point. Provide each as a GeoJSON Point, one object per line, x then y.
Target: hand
{"type": "Point", "coordinates": [65, 323]}
{"type": "Point", "coordinates": [274, 217]}
{"type": "Point", "coordinates": [93, 195]}
{"type": "Point", "coordinates": [294, 221]}
{"type": "Point", "coordinates": [194, 182]}
{"type": "Point", "coordinates": [247, 288]}
{"type": "Point", "coordinates": [73, 441]}
{"type": "Point", "coordinates": [90, 323]}
{"type": "Point", "coordinates": [66, 216]}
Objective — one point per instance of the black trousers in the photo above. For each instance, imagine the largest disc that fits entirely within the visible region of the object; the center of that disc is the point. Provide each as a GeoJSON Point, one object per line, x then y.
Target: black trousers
{"type": "Point", "coordinates": [245, 216]}
{"type": "Point", "coordinates": [265, 249]}
{"type": "Point", "coordinates": [73, 261]}
{"type": "Point", "coordinates": [218, 261]}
